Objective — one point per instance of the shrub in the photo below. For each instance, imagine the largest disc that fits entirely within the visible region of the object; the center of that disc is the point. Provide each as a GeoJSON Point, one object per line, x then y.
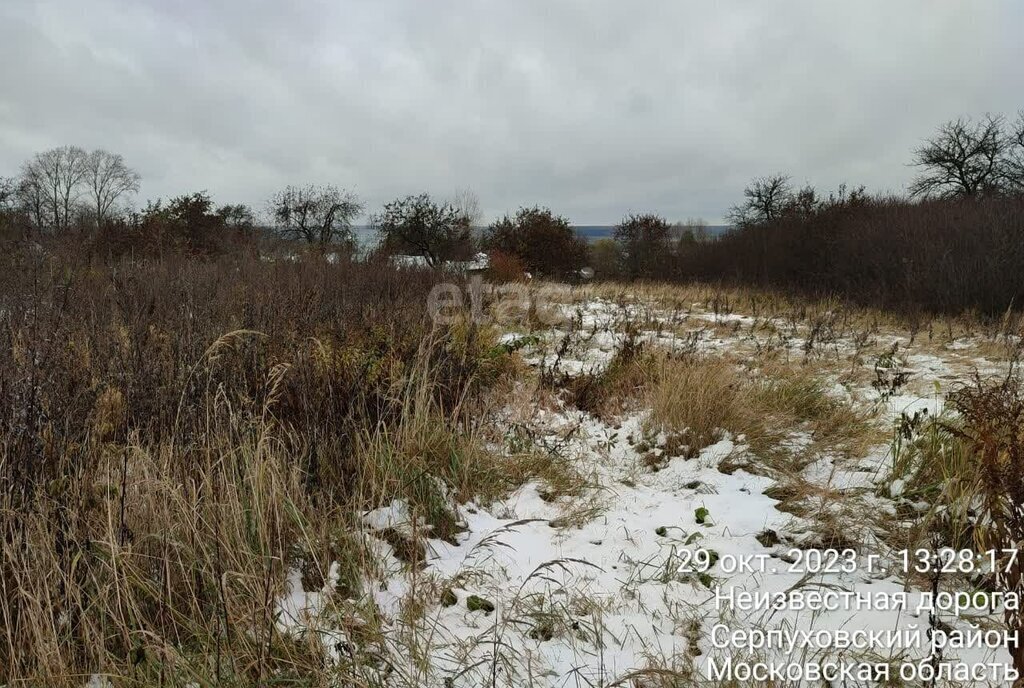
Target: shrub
{"type": "Point", "coordinates": [645, 245]}
{"type": "Point", "coordinates": [176, 435]}
{"type": "Point", "coordinates": [938, 256]}
{"type": "Point", "coordinates": [437, 231]}
{"type": "Point", "coordinates": [188, 224]}
{"type": "Point", "coordinates": [606, 259]}
{"type": "Point", "coordinates": [993, 426]}
{"type": "Point", "coordinates": [504, 267]}
{"type": "Point", "coordinates": [545, 242]}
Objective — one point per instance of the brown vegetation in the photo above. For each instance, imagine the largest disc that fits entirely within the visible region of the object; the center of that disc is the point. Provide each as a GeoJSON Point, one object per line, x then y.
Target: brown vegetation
{"type": "Point", "coordinates": [545, 242]}
{"type": "Point", "coordinates": [993, 428]}
{"type": "Point", "coordinates": [937, 256]}
{"type": "Point", "coordinates": [176, 435]}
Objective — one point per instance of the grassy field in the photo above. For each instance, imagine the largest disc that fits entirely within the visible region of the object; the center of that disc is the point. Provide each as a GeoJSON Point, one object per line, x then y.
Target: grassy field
{"type": "Point", "coordinates": [234, 472]}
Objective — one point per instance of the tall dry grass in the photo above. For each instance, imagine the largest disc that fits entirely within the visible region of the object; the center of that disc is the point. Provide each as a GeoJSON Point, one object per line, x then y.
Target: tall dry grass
{"type": "Point", "coordinates": [697, 398]}
{"type": "Point", "coordinates": [176, 436]}
{"type": "Point", "coordinates": [992, 417]}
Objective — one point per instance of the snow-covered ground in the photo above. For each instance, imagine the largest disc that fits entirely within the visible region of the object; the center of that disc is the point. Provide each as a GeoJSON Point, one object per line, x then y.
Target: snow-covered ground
{"type": "Point", "coordinates": [614, 584]}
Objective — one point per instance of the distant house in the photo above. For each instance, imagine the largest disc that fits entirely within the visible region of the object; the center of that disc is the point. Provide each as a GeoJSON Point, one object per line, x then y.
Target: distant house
{"type": "Point", "coordinates": [414, 262]}
{"type": "Point", "coordinates": [477, 264]}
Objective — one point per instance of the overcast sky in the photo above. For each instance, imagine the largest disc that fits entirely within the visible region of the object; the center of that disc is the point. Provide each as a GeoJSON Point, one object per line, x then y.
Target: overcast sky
{"type": "Point", "coordinates": [592, 107]}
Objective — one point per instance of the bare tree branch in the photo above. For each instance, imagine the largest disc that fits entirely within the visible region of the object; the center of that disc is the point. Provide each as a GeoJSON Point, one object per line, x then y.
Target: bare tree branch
{"type": "Point", "coordinates": [467, 204]}
{"type": "Point", "coordinates": [766, 199]}
{"type": "Point", "coordinates": [1015, 156]}
{"type": "Point", "coordinates": [963, 159]}
{"type": "Point", "coordinates": [108, 179]}
{"type": "Point", "coordinates": [315, 214]}
{"type": "Point", "coordinates": [53, 179]}
{"type": "Point", "coordinates": [8, 193]}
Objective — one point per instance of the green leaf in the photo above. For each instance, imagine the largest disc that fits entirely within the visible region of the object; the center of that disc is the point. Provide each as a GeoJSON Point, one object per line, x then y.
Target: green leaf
{"type": "Point", "coordinates": [701, 514]}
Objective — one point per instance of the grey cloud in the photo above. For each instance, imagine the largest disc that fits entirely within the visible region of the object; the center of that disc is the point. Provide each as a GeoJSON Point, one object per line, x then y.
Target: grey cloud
{"type": "Point", "coordinates": [593, 107]}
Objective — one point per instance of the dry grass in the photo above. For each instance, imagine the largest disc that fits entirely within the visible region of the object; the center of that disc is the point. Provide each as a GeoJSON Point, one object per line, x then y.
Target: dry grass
{"type": "Point", "coordinates": [432, 460]}
{"type": "Point", "coordinates": [798, 398]}
{"type": "Point", "coordinates": [174, 442]}
{"type": "Point", "coordinates": [696, 398]}
{"type": "Point", "coordinates": [934, 466]}
{"type": "Point", "coordinates": [995, 337]}
{"type": "Point", "coordinates": [159, 478]}
{"type": "Point", "coordinates": [617, 386]}
{"type": "Point", "coordinates": [154, 571]}
{"type": "Point", "coordinates": [993, 431]}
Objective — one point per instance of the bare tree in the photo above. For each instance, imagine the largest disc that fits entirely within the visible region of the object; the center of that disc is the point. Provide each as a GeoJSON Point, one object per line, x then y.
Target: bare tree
{"type": "Point", "coordinates": [692, 231]}
{"type": "Point", "coordinates": [55, 178]}
{"type": "Point", "coordinates": [315, 214]}
{"type": "Point", "coordinates": [1015, 156]}
{"type": "Point", "coordinates": [467, 204]}
{"type": "Point", "coordinates": [32, 201]}
{"type": "Point", "coordinates": [8, 193]}
{"type": "Point", "coordinates": [107, 179]}
{"type": "Point", "coordinates": [8, 201]}
{"type": "Point", "coordinates": [766, 200]}
{"type": "Point", "coordinates": [964, 158]}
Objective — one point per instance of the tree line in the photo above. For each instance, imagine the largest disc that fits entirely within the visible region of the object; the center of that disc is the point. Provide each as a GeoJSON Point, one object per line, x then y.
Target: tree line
{"type": "Point", "coordinates": [68, 186]}
{"type": "Point", "coordinates": [67, 189]}
{"type": "Point", "coordinates": [954, 243]}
